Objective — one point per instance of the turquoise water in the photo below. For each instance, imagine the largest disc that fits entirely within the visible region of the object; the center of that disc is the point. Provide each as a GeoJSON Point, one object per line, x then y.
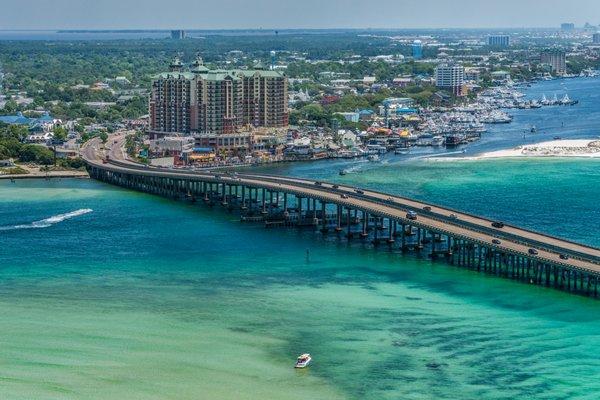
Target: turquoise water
{"type": "Point", "coordinates": [145, 298]}
{"type": "Point", "coordinates": [111, 294]}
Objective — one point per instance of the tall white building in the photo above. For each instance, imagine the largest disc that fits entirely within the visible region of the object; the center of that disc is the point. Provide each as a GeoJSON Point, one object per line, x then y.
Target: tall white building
{"type": "Point", "coordinates": [450, 77]}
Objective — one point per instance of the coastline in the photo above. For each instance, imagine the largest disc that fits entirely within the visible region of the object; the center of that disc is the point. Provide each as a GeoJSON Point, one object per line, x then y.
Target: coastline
{"type": "Point", "coordinates": [37, 174]}
{"type": "Point", "coordinates": [563, 148]}
{"type": "Point", "coordinates": [582, 148]}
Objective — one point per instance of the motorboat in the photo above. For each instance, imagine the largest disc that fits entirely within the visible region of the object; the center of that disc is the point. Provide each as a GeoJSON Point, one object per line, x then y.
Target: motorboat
{"type": "Point", "coordinates": [343, 172]}
{"type": "Point", "coordinates": [303, 361]}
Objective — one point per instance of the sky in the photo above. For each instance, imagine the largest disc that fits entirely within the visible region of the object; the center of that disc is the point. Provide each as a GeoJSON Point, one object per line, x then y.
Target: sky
{"type": "Point", "coordinates": [281, 14]}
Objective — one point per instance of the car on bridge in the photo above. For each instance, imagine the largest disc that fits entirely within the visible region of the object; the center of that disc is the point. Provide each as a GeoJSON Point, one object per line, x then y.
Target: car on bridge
{"type": "Point", "coordinates": [411, 215]}
{"type": "Point", "coordinates": [496, 241]}
{"type": "Point", "coordinates": [498, 224]}
{"type": "Point", "coordinates": [533, 252]}
{"type": "Point", "coordinates": [344, 196]}
{"type": "Point", "coordinates": [564, 257]}
{"type": "Point", "coordinates": [359, 191]}
{"type": "Point", "coordinates": [427, 208]}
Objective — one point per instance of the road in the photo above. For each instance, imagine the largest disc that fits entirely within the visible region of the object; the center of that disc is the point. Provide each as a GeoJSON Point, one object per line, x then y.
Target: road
{"type": "Point", "coordinates": [461, 225]}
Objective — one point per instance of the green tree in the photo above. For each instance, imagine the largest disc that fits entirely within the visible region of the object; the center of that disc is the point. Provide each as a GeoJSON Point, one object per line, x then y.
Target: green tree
{"type": "Point", "coordinates": [104, 137]}
{"type": "Point", "coordinates": [60, 133]}
{"type": "Point", "coordinates": [37, 154]}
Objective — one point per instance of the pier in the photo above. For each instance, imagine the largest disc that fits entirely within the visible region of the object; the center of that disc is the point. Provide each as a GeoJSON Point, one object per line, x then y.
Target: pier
{"type": "Point", "coordinates": [460, 239]}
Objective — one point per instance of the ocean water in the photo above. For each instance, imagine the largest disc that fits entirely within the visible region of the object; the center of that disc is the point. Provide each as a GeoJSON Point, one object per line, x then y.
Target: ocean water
{"type": "Point", "coordinates": [112, 294]}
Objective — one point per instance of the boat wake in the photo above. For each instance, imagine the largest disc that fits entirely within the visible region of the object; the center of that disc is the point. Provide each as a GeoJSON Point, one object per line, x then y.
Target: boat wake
{"type": "Point", "coordinates": [440, 155]}
{"type": "Point", "coordinates": [48, 222]}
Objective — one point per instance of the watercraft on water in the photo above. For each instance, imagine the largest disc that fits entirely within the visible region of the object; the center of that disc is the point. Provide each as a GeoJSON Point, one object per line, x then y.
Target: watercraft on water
{"type": "Point", "coordinates": [343, 172]}
{"type": "Point", "coordinates": [373, 157]}
{"type": "Point", "coordinates": [303, 361]}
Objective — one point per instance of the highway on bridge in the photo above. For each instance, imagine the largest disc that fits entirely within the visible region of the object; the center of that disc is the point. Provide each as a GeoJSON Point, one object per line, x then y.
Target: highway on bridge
{"type": "Point", "coordinates": [440, 219]}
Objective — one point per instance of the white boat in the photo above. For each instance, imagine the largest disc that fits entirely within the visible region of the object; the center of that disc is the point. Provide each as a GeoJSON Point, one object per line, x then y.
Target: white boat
{"type": "Point", "coordinates": [303, 361]}
{"type": "Point", "coordinates": [373, 157]}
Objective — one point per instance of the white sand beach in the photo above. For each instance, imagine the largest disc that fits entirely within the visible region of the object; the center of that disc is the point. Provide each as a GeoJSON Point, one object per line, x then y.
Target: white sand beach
{"type": "Point", "coordinates": [555, 148]}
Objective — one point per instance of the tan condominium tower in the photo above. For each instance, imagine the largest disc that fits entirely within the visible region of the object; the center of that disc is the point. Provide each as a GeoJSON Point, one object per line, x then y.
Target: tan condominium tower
{"type": "Point", "coordinates": [205, 101]}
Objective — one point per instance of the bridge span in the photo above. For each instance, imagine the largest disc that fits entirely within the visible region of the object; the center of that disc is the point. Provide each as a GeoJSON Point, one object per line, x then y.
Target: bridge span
{"type": "Point", "coordinates": [461, 239]}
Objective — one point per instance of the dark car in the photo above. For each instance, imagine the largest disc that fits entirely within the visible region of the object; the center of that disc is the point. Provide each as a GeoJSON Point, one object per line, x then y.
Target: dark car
{"type": "Point", "coordinates": [335, 187]}
{"type": "Point", "coordinates": [498, 224]}
{"type": "Point", "coordinates": [344, 196]}
{"type": "Point", "coordinates": [317, 183]}
{"type": "Point", "coordinates": [564, 257]}
{"type": "Point", "coordinates": [411, 215]}
{"type": "Point", "coordinates": [496, 241]}
{"type": "Point", "coordinates": [427, 208]}
{"type": "Point", "coordinates": [533, 252]}
{"type": "Point", "coordinates": [453, 216]}
{"type": "Point", "coordinates": [359, 191]}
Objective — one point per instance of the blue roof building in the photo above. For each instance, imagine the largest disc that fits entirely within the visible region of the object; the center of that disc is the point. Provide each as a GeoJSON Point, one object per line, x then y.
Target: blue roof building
{"type": "Point", "coordinates": [20, 119]}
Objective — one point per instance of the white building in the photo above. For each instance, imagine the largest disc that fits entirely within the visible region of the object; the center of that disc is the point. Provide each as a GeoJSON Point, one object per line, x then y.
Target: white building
{"type": "Point", "coordinates": [450, 77]}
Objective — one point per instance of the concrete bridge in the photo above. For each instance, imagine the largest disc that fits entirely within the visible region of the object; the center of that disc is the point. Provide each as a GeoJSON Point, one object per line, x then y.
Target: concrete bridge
{"type": "Point", "coordinates": [459, 238]}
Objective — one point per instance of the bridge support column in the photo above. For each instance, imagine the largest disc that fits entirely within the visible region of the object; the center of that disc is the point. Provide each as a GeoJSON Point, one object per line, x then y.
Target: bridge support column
{"type": "Point", "coordinates": [392, 231]}
{"type": "Point", "coordinates": [349, 233]}
{"type": "Point", "coordinates": [365, 222]}
{"type": "Point", "coordinates": [338, 227]}
{"type": "Point", "coordinates": [324, 228]}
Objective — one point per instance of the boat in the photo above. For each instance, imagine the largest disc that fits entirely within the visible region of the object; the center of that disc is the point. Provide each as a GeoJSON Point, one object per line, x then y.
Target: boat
{"type": "Point", "coordinates": [438, 141]}
{"type": "Point", "coordinates": [303, 361]}
{"type": "Point", "coordinates": [401, 150]}
{"type": "Point", "coordinates": [343, 172]}
{"type": "Point", "coordinates": [373, 157]}
{"type": "Point", "coordinates": [533, 129]}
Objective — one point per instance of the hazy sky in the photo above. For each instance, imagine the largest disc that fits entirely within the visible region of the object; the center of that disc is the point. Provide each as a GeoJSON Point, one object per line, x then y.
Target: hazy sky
{"type": "Point", "coordinates": [203, 14]}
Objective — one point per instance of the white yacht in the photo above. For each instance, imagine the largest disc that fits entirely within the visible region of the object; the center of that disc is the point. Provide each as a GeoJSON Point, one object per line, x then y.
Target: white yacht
{"type": "Point", "coordinates": [303, 361]}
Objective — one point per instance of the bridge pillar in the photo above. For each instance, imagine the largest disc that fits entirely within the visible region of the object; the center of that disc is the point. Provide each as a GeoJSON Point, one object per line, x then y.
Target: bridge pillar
{"type": "Point", "coordinates": [391, 231]}
{"type": "Point", "coordinates": [264, 201]}
{"type": "Point", "coordinates": [324, 217]}
{"type": "Point", "coordinates": [338, 227]}
{"type": "Point", "coordinates": [403, 237]}
{"type": "Point", "coordinates": [376, 231]}
{"type": "Point", "coordinates": [365, 221]}
{"type": "Point", "coordinates": [349, 233]}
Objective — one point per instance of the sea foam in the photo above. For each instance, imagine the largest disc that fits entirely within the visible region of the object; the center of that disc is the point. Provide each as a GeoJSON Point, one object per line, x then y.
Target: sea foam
{"type": "Point", "coordinates": [47, 222]}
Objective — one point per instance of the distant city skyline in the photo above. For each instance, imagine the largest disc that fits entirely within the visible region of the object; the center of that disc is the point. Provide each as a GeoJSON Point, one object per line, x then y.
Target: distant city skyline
{"type": "Point", "coordinates": [281, 14]}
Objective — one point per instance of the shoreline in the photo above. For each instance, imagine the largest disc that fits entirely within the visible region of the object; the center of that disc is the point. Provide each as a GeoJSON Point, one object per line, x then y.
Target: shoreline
{"type": "Point", "coordinates": [562, 148]}
{"type": "Point", "coordinates": [582, 148]}
{"type": "Point", "coordinates": [47, 175]}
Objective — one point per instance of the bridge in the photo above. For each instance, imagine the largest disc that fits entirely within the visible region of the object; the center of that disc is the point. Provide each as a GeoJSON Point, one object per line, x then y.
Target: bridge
{"type": "Point", "coordinates": [460, 238]}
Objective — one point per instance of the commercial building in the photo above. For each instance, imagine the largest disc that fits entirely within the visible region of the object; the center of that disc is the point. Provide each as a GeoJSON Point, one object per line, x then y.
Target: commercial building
{"type": "Point", "coordinates": [567, 26]}
{"type": "Point", "coordinates": [417, 49]}
{"type": "Point", "coordinates": [178, 34]}
{"type": "Point", "coordinates": [499, 40]}
{"type": "Point", "coordinates": [556, 59]}
{"type": "Point", "coordinates": [450, 77]}
{"type": "Point", "coordinates": [217, 102]}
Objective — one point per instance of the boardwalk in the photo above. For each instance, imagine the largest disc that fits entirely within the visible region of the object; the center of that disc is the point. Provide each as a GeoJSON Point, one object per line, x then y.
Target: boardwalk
{"type": "Point", "coordinates": [461, 238]}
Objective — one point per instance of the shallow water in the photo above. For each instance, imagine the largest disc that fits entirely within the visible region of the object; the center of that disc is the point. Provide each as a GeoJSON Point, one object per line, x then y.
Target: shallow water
{"type": "Point", "coordinates": [146, 298]}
